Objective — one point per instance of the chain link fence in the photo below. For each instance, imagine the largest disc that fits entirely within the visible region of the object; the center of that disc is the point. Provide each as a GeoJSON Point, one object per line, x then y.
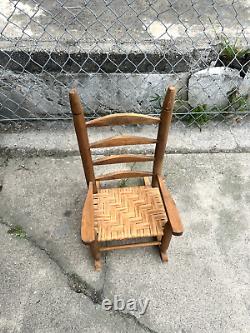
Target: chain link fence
{"type": "Point", "coordinates": [121, 55]}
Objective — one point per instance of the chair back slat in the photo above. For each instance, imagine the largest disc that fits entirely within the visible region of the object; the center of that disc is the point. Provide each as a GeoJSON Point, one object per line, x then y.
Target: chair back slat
{"type": "Point", "coordinates": [122, 140]}
{"type": "Point", "coordinates": [124, 174]}
{"type": "Point", "coordinates": [125, 158]}
{"type": "Point", "coordinates": [123, 119]}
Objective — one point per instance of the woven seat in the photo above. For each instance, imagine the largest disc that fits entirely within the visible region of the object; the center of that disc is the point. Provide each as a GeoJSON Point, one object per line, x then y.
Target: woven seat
{"type": "Point", "coordinates": [129, 212]}
{"type": "Point", "coordinates": [126, 217]}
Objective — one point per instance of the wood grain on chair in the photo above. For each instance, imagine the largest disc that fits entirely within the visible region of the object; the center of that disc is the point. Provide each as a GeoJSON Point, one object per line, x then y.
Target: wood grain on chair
{"type": "Point", "coordinates": [126, 213]}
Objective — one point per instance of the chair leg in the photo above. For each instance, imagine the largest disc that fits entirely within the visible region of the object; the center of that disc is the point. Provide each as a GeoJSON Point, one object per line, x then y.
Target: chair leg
{"type": "Point", "coordinates": [94, 249]}
{"type": "Point", "coordinates": [166, 238]}
{"type": "Point", "coordinates": [159, 238]}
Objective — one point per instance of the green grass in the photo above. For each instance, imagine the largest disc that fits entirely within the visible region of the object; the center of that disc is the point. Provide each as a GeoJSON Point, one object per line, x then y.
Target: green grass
{"type": "Point", "coordinates": [156, 99]}
{"type": "Point", "coordinates": [17, 231]}
{"type": "Point", "coordinates": [231, 50]}
{"type": "Point", "coordinates": [201, 114]}
{"type": "Point", "coordinates": [198, 115]}
{"type": "Point", "coordinates": [236, 101]}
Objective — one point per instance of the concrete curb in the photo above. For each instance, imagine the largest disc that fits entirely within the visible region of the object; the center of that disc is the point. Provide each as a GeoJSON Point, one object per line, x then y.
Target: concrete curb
{"type": "Point", "coordinates": [182, 140]}
{"type": "Point", "coordinates": [146, 57]}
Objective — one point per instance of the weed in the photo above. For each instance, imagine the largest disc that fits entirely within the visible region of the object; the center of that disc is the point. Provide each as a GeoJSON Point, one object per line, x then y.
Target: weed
{"type": "Point", "coordinates": [198, 115]}
{"type": "Point", "coordinates": [231, 50]}
{"type": "Point", "coordinates": [227, 49]}
{"type": "Point", "coordinates": [17, 231]}
{"type": "Point", "coordinates": [157, 100]}
{"type": "Point", "coordinates": [236, 101]}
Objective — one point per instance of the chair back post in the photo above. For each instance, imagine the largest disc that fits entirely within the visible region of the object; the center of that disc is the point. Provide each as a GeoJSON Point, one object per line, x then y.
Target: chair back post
{"type": "Point", "coordinates": [82, 137]}
{"type": "Point", "coordinates": [164, 126]}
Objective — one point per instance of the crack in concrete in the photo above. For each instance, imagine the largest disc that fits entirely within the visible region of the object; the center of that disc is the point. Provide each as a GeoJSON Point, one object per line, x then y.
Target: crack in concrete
{"type": "Point", "coordinates": [105, 269]}
{"type": "Point", "coordinates": [74, 281]}
{"type": "Point", "coordinates": [235, 140]}
{"type": "Point", "coordinates": [80, 286]}
{"type": "Point", "coordinates": [33, 152]}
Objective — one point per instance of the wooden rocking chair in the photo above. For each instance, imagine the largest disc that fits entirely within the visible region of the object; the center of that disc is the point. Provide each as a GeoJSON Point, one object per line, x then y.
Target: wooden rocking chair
{"type": "Point", "coordinates": [125, 213]}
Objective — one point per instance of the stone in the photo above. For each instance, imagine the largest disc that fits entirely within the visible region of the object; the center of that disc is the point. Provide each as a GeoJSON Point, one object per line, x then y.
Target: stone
{"type": "Point", "coordinates": [211, 86]}
{"type": "Point", "coordinates": [244, 88]}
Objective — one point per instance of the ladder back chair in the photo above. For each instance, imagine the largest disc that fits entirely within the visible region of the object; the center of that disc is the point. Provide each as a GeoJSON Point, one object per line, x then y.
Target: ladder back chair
{"type": "Point", "coordinates": [133, 212]}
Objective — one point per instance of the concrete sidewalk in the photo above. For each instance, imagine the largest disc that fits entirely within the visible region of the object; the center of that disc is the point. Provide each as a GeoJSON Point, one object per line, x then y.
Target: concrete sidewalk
{"type": "Point", "coordinates": [48, 281]}
{"type": "Point", "coordinates": [58, 138]}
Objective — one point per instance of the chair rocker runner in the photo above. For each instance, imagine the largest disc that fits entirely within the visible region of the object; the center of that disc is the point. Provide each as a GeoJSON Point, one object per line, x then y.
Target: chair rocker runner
{"type": "Point", "coordinates": [125, 213]}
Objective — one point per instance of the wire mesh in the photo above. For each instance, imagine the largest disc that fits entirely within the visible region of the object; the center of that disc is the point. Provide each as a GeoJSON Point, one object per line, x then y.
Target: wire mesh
{"type": "Point", "coordinates": [121, 55]}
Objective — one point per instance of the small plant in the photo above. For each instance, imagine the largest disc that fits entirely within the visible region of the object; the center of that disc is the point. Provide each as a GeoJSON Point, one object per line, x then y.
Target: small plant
{"type": "Point", "coordinates": [227, 49]}
{"type": "Point", "coordinates": [17, 231]}
{"type": "Point", "coordinates": [231, 50]}
{"type": "Point", "coordinates": [236, 101]}
{"type": "Point", "coordinates": [232, 54]}
{"type": "Point", "coordinates": [157, 100]}
{"type": "Point", "coordinates": [198, 115]}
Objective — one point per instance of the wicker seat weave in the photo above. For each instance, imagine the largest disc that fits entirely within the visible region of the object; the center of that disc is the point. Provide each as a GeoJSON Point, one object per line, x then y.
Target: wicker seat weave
{"type": "Point", "coordinates": [128, 212]}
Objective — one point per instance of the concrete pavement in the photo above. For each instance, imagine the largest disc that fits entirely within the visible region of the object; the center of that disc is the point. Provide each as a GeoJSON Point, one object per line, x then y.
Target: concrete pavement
{"type": "Point", "coordinates": [56, 25]}
{"type": "Point", "coordinates": [58, 138]}
{"type": "Point", "coordinates": [48, 281]}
